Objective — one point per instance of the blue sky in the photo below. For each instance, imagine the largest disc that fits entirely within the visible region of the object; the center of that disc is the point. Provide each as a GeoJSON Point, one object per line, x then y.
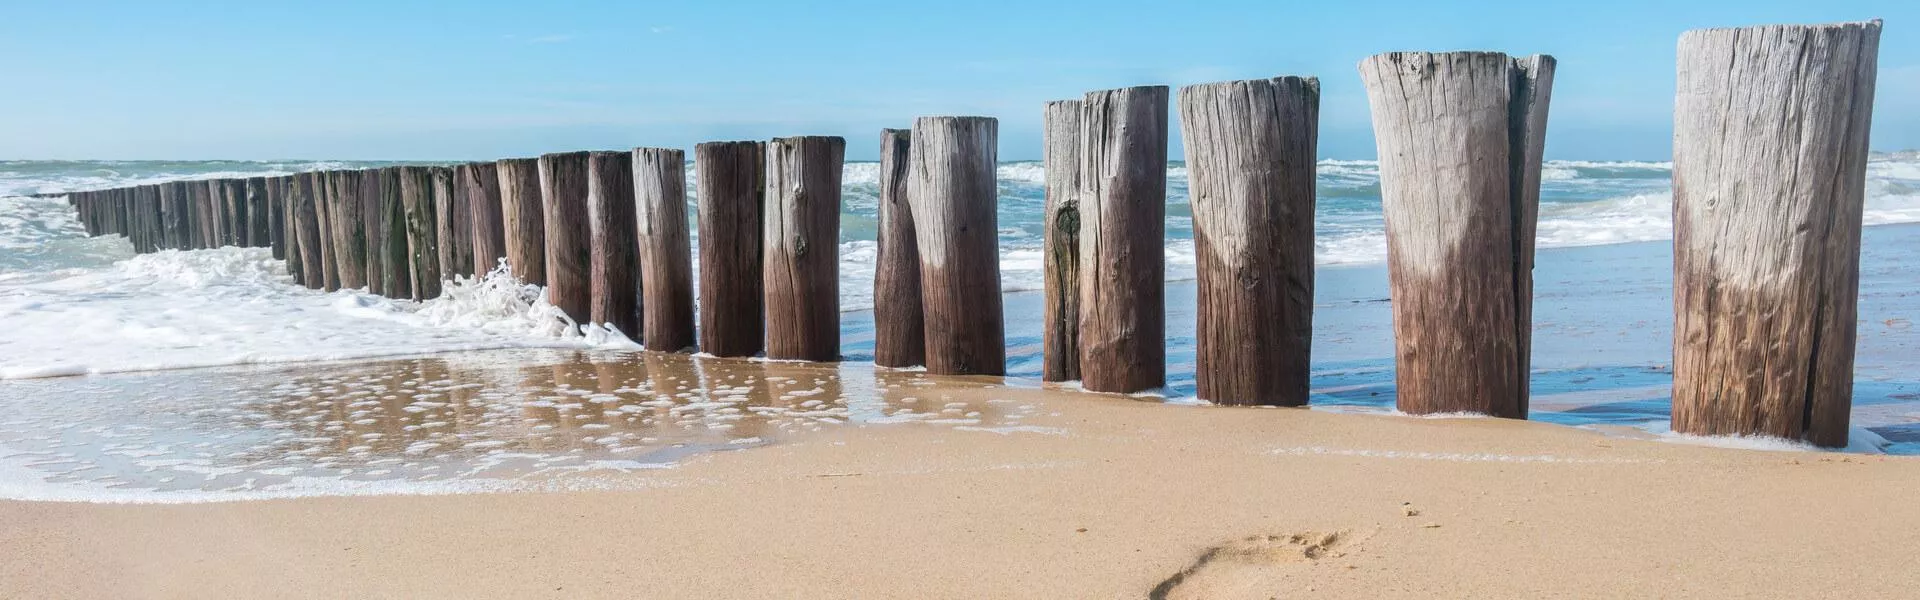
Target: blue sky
{"type": "Point", "coordinates": [487, 78]}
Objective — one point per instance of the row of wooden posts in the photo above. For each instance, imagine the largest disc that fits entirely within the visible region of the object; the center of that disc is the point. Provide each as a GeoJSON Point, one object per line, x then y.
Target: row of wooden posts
{"type": "Point", "coordinates": [1769, 154]}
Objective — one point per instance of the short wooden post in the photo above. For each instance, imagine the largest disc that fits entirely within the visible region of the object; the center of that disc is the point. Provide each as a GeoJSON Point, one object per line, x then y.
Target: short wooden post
{"type": "Point", "coordinates": [801, 240]}
{"type": "Point", "coordinates": [666, 262]}
{"type": "Point", "coordinates": [235, 194]}
{"type": "Point", "coordinates": [1459, 210]}
{"type": "Point", "coordinates": [563, 197]}
{"type": "Point", "coordinates": [1251, 161]}
{"type": "Point", "coordinates": [1060, 243]}
{"type": "Point", "coordinates": [390, 237]}
{"type": "Point", "coordinates": [955, 201]}
{"type": "Point", "coordinates": [899, 330]}
{"type": "Point", "coordinates": [731, 192]}
{"type": "Point", "coordinates": [523, 219]}
{"type": "Point", "coordinates": [277, 204]}
{"type": "Point", "coordinates": [259, 215]}
{"type": "Point", "coordinates": [1769, 173]}
{"type": "Point", "coordinates": [455, 225]}
{"type": "Point", "coordinates": [207, 219]}
{"type": "Point", "coordinates": [172, 215]}
{"type": "Point", "coordinates": [613, 276]}
{"type": "Point", "coordinates": [349, 227]}
{"type": "Point", "coordinates": [306, 224]}
{"type": "Point", "coordinates": [1123, 204]}
{"type": "Point", "coordinates": [423, 248]}
{"type": "Point", "coordinates": [480, 184]}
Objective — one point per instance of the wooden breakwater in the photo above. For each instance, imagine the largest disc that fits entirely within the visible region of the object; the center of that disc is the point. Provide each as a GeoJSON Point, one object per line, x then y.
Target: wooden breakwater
{"type": "Point", "coordinates": [1769, 159]}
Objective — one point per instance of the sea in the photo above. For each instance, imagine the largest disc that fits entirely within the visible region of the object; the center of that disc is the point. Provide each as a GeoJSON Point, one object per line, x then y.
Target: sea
{"type": "Point", "coordinates": [75, 308]}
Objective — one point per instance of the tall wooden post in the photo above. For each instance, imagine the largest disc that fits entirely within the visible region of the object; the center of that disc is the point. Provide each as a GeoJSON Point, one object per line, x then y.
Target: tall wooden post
{"type": "Point", "coordinates": [349, 227]}
{"type": "Point", "coordinates": [666, 262]}
{"type": "Point", "coordinates": [731, 193]}
{"type": "Point", "coordinates": [306, 224]}
{"type": "Point", "coordinates": [613, 277]}
{"type": "Point", "coordinates": [1460, 211]}
{"type": "Point", "coordinates": [523, 219]}
{"type": "Point", "coordinates": [390, 238]}
{"type": "Point", "coordinates": [955, 201]}
{"type": "Point", "coordinates": [1251, 159]}
{"type": "Point", "coordinates": [423, 247]}
{"type": "Point", "coordinates": [899, 330]}
{"type": "Point", "coordinates": [801, 240]}
{"type": "Point", "coordinates": [205, 232]}
{"type": "Point", "coordinates": [322, 186]}
{"type": "Point", "coordinates": [563, 196]}
{"type": "Point", "coordinates": [286, 229]}
{"type": "Point", "coordinates": [480, 184]}
{"type": "Point", "coordinates": [455, 225]}
{"type": "Point", "coordinates": [1769, 174]}
{"type": "Point", "coordinates": [1123, 203]}
{"type": "Point", "coordinates": [1060, 327]}
{"type": "Point", "coordinates": [172, 216]}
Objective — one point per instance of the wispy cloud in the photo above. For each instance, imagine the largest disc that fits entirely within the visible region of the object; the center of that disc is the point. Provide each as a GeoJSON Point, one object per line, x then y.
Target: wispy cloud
{"type": "Point", "coordinates": [660, 28]}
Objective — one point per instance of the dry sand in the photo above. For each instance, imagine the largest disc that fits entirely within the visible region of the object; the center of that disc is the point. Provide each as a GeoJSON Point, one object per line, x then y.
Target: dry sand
{"type": "Point", "coordinates": [1097, 497]}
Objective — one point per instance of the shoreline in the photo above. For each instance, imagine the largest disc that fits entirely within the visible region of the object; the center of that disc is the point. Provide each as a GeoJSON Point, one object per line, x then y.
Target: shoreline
{"type": "Point", "coordinates": [1215, 500]}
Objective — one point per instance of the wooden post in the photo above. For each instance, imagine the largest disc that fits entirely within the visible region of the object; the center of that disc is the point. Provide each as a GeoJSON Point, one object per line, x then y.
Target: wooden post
{"type": "Point", "coordinates": [1251, 160]}
{"type": "Point", "coordinates": [480, 183]}
{"type": "Point", "coordinates": [423, 249]}
{"type": "Point", "coordinates": [203, 215]}
{"type": "Point", "coordinates": [523, 219]}
{"type": "Point", "coordinates": [613, 278]}
{"type": "Point", "coordinates": [259, 215]}
{"type": "Point", "coordinates": [731, 194]}
{"type": "Point", "coordinates": [234, 192]}
{"type": "Point", "coordinates": [349, 227]}
{"type": "Point", "coordinates": [1459, 213]}
{"type": "Point", "coordinates": [1123, 202]}
{"type": "Point", "coordinates": [801, 241]}
{"type": "Point", "coordinates": [173, 217]}
{"type": "Point", "coordinates": [666, 261]}
{"type": "Point", "coordinates": [306, 225]}
{"type": "Point", "coordinates": [454, 223]}
{"type": "Point", "coordinates": [1769, 174]}
{"type": "Point", "coordinates": [1060, 326]}
{"type": "Point", "coordinates": [899, 333]}
{"type": "Point", "coordinates": [955, 202]}
{"type": "Point", "coordinates": [390, 241]}
{"type": "Point", "coordinates": [277, 205]}
{"type": "Point", "coordinates": [366, 196]}
{"type": "Point", "coordinates": [563, 197]}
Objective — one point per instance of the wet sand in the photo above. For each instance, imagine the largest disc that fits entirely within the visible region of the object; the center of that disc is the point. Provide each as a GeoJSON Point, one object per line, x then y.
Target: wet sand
{"type": "Point", "coordinates": [1087, 496]}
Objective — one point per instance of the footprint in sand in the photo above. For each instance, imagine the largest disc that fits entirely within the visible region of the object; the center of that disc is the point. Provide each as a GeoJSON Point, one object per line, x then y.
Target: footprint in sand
{"type": "Point", "coordinates": [1252, 567]}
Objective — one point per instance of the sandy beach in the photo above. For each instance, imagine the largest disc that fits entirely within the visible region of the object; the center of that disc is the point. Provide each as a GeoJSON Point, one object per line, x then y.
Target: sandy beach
{"type": "Point", "coordinates": [1087, 496]}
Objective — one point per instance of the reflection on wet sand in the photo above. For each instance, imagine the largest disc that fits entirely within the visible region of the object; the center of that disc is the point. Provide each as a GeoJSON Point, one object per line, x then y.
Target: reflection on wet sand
{"type": "Point", "coordinates": [511, 418]}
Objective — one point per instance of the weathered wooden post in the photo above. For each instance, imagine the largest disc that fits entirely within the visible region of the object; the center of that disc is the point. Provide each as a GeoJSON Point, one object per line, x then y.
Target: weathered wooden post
{"type": "Point", "coordinates": [666, 262]}
{"type": "Point", "coordinates": [366, 195]}
{"type": "Point", "coordinates": [480, 184]}
{"type": "Point", "coordinates": [523, 219]}
{"type": "Point", "coordinates": [206, 232]}
{"type": "Point", "coordinates": [563, 197]}
{"type": "Point", "coordinates": [1460, 136]}
{"type": "Point", "coordinates": [277, 204]}
{"type": "Point", "coordinates": [349, 227]}
{"type": "Point", "coordinates": [172, 216]}
{"type": "Point", "coordinates": [899, 328]}
{"type": "Point", "coordinates": [390, 237]}
{"type": "Point", "coordinates": [1769, 176]}
{"type": "Point", "coordinates": [423, 247]}
{"type": "Point", "coordinates": [329, 236]}
{"type": "Point", "coordinates": [1251, 152]}
{"type": "Point", "coordinates": [731, 194]}
{"type": "Point", "coordinates": [801, 241]}
{"type": "Point", "coordinates": [454, 223]}
{"type": "Point", "coordinates": [955, 201]}
{"type": "Point", "coordinates": [1060, 327]}
{"type": "Point", "coordinates": [259, 215]}
{"type": "Point", "coordinates": [1123, 205]}
{"type": "Point", "coordinates": [613, 277]}
{"type": "Point", "coordinates": [234, 192]}
{"type": "Point", "coordinates": [306, 225]}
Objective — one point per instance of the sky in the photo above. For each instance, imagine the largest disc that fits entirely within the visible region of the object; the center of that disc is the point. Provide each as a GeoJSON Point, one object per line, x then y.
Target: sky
{"type": "Point", "coordinates": [485, 79]}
